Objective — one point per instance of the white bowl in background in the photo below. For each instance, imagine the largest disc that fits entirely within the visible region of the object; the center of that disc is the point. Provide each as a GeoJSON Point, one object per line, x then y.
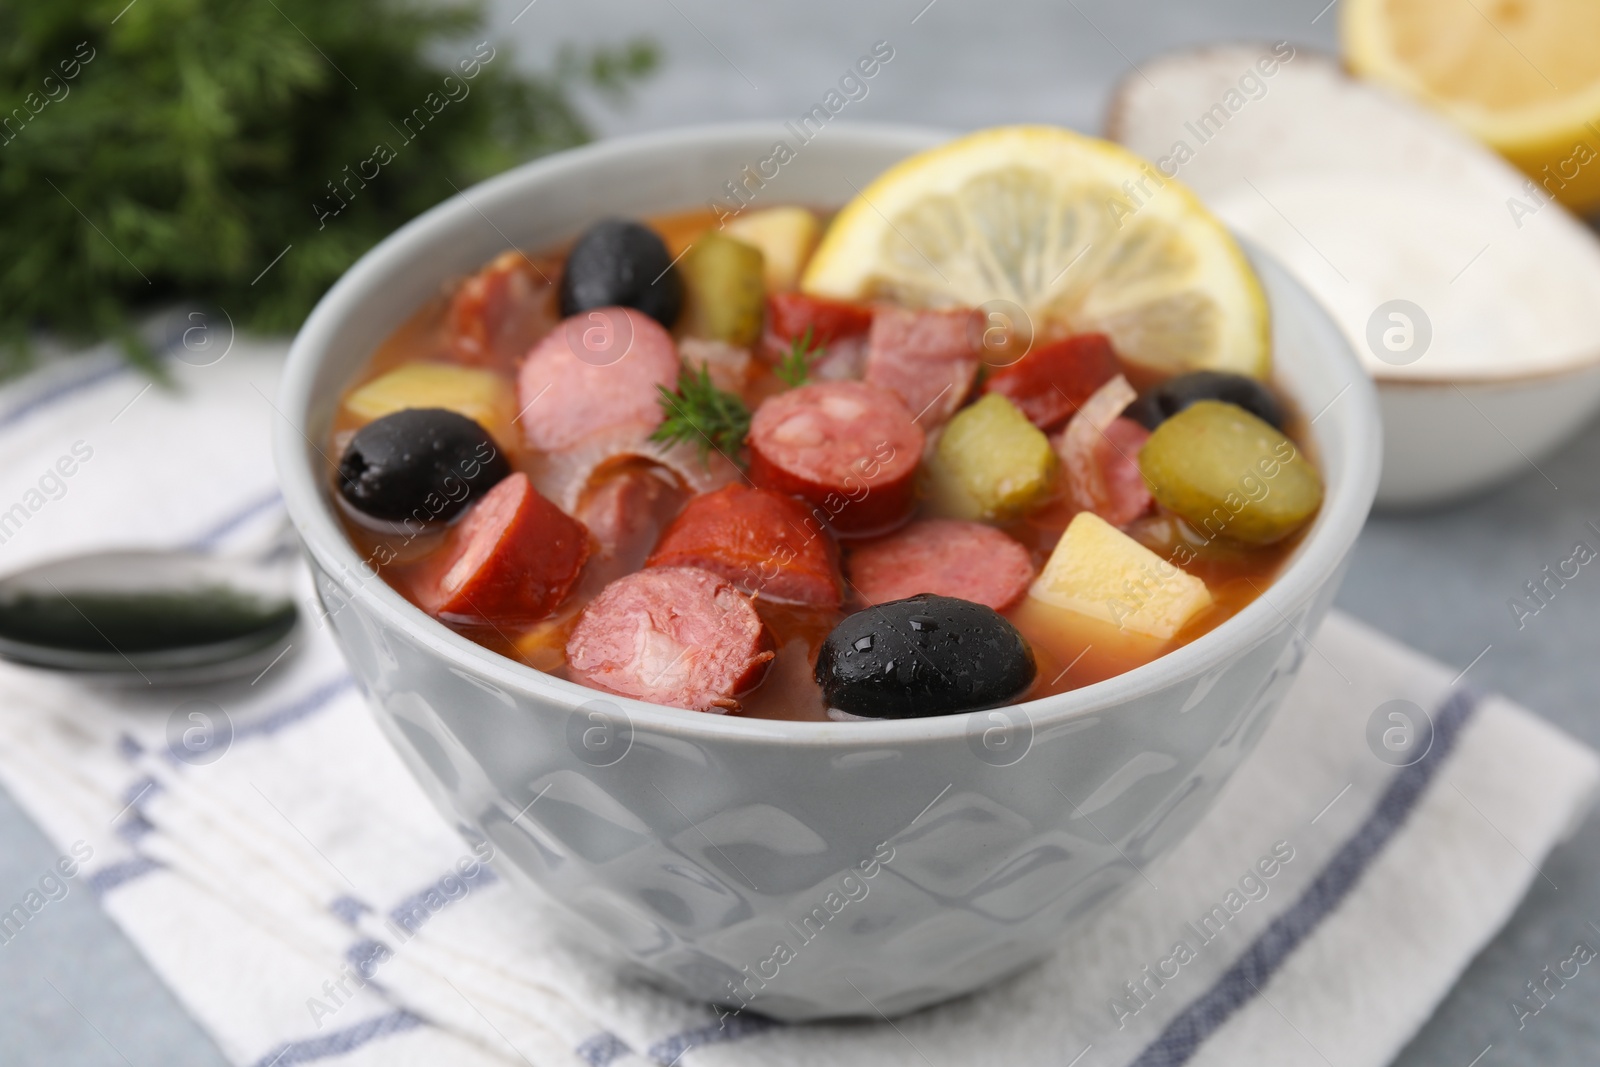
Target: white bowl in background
{"type": "Point", "coordinates": [1370, 199]}
{"type": "Point", "coordinates": [697, 843]}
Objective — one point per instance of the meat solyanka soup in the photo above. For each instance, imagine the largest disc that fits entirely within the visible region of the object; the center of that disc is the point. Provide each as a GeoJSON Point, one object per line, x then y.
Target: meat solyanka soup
{"type": "Point", "coordinates": [733, 464]}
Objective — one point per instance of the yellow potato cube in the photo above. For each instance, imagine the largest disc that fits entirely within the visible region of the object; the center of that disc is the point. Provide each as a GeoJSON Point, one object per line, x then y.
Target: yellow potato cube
{"type": "Point", "coordinates": [1099, 571]}
{"type": "Point", "coordinates": [786, 236]}
{"type": "Point", "coordinates": [480, 395]}
{"type": "Point", "coordinates": [991, 462]}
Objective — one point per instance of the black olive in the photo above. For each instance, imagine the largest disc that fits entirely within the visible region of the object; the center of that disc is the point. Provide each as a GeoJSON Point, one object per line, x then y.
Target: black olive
{"type": "Point", "coordinates": [925, 655]}
{"type": "Point", "coordinates": [421, 464]}
{"type": "Point", "coordinates": [618, 263]}
{"type": "Point", "coordinates": [1159, 404]}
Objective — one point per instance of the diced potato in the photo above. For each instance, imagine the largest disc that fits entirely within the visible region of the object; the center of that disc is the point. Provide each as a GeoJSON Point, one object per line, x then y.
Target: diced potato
{"type": "Point", "coordinates": [480, 395]}
{"type": "Point", "coordinates": [786, 236]}
{"type": "Point", "coordinates": [991, 462]}
{"type": "Point", "coordinates": [727, 293]}
{"type": "Point", "coordinates": [1231, 474]}
{"type": "Point", "coordinates": [1099, 571]}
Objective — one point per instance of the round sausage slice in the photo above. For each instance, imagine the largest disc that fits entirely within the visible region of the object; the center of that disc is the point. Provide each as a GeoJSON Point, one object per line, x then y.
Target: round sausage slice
{"type": "Point", "coordinates": [849, 448]}
{"type": "Point", "coordinates": [680, 636]}
{"type": "Point", "coordinates": [597, 370]}
{"type": "Point", "coordinates": [512, 559]}
{"type": "Point", "coordinates": [946, 557]}
{"type": "Point", "coordinates": [766, 543]}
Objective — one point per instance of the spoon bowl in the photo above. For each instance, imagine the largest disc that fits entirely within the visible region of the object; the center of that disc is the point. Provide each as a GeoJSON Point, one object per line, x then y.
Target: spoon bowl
{"type": "Point", "coordinates": [150, 617]}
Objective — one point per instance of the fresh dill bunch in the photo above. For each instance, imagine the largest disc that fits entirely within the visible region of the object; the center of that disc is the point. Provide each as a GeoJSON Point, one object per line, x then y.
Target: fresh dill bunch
{"type": "Point", "coordinates": [702, 413]}
{"type": "Point", "coordinates": [794, 368]}
{"type": "Point", "coordinates": [219, 153]}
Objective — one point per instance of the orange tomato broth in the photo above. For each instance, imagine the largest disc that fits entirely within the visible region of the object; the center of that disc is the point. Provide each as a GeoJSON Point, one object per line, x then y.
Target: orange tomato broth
{"type": "Point", "coordinates": [1071, 650]}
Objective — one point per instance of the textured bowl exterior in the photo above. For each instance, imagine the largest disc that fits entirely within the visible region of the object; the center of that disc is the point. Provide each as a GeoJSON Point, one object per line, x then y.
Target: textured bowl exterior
{"type": "Point", "coordinates": [812, 870]}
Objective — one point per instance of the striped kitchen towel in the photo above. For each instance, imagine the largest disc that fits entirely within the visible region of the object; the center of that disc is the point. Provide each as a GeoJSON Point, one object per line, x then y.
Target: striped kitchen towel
{"type": "Point", "coordinates": [307, 904]}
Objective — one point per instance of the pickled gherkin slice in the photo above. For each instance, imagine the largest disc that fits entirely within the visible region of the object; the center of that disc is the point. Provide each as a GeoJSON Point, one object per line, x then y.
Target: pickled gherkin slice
{"type": "Point", "coordinates": [1230, 474]}
{"type": "Point", "coordinates": [727, 289]}
{"type": "Point", "coordinates": [991, 462]}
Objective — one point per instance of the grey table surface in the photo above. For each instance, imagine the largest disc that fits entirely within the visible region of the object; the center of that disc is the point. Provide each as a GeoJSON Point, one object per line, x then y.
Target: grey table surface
{"type": "Point", "coordinates": [74, 991]}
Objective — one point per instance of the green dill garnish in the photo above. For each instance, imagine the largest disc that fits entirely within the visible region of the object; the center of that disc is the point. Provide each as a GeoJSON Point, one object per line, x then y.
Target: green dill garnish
{"type": "Point", "coordinates": [702, 413]}
{"type": "Point", "coordinates": [795, 366]}
{"type": "Point", "coordinates": [220, 153]}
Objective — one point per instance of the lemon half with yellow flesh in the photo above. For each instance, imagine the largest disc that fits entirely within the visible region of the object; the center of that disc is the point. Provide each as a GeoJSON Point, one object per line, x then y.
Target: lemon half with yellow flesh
{"type": "Point", "coordinates": [1523, 76]}
{"type": "Point", "coordinates": [1080, 234]}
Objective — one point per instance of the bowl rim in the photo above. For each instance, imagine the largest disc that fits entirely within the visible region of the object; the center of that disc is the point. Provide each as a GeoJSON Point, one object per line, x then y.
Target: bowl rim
{"type": "Point", "coordinates": [1318, 559]}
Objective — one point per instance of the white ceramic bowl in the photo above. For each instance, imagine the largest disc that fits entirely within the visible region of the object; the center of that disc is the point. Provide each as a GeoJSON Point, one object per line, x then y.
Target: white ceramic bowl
{"type": "Point", "coordinates": [812, 869]}
{"type": "Point", "coordinates": [1371, 198]}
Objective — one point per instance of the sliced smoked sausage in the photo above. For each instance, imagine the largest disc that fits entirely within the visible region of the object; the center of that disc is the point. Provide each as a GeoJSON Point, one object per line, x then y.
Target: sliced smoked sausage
{"type": "Point", "coordinates": [849, 448]}
{"type": "Point", "coordinates": [928, 358]}
{"type": "Point", "coordinates": [946, 557]}
{"type": "Point", "coordinates": [766, 543]}
{"type": "Point", "coordinates": [680, 636]}
{"type": "Point", "coordinates": [1051, 382]}
{"type": "Point", "coordinates": [499, 311]}
{"type": "Point", "coordinates": [511, 559]}
{"type": "Point", "coordinates": [597, 370]}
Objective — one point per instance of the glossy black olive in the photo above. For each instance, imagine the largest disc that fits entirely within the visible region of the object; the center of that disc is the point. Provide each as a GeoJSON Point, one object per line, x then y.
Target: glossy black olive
{"type": "Point", "coordinates": [925, 655]}
{"type": "Point", "coordinates": [618, 263]}
{"type": "Point", "coordinates": [420, 464]}
{"type": "Point", "coordinates": [1159, 404]}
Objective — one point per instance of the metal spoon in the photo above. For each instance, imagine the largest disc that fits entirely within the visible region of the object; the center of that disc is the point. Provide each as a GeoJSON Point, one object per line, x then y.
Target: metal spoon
{"type": "Point", "coordinates": [176, 617]}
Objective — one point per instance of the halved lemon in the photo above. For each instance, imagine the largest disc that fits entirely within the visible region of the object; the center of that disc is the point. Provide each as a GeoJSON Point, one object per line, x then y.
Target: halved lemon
{"type": "Point", "coordinates": [1523, 76]}
{"type": "Point", "coordinates": [1079, 233]}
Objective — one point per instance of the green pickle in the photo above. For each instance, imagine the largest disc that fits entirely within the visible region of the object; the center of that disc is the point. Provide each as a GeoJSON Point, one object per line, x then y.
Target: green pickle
{"type": "Point", "coordinates": [727, 289]}
{"type": "Point", "coordinates": [991, 462]}
{"type": "Point", "coordinates": [1230, 474]}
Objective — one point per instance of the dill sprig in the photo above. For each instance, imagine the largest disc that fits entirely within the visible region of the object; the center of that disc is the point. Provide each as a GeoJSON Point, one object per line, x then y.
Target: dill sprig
{"type": "Point", "coordinates": [702, 413]}
{"type": "Point", "coordinates": [795, 365]}
{"type": "Point", "coordinates": [208, 151]}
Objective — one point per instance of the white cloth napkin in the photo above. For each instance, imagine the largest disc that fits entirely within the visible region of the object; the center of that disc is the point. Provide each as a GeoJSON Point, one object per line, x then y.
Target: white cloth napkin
{"type": "Point", "coordinates": [307, 904]}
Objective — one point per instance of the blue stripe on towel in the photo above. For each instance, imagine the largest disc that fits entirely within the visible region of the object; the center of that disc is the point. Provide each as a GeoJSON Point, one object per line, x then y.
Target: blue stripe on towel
{"type": "Point", "coordinates": [51, 394]}
{"type": "Point", "coordinates": [1242, 982]}
{"type": "Point", "coordinates": [307, 705]}
{"type": "Point", "coordinates": [209, 537]}
{"type": "Point", "coordinates": [349, 909]}
{"type": "Point", "coordinates": [732, 1028]}
{"type": "Point", "coordinates": [422, 905]}
{"type": "Point", "coordinates": [340, 1042]}
{"type": "Point", "coordinates": [603, 1049]}
{"type": "Point", "coordinates": [106, 879]}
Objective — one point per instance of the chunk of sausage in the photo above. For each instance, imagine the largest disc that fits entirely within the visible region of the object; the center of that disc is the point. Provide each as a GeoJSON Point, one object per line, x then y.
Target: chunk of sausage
{"type": "Point", "coordinates": [928, 358]}
{"type": "Point", "coordinates": [849, 448]}
{"type": "Point", "coordinates": [498, 312]}
{"type": "Point", "coordinates": [789, 315]}
{"type": "Point", "coordinates": [597, 370]}
{"type": "Point", "coordinates": [766, 543]}
{"type": "Point", "coordinates": [1117, 455]}
{"type": "Point", "coordinates": [947, 557]}
{"type": "Point", "coordinates": [511, 559]}
{"type": "Point", "coordinates": [680, 636]}
{"type": "Point", "coordinates": [625, 512]}
{"type": "Point", "coordinates": [1051, 383]}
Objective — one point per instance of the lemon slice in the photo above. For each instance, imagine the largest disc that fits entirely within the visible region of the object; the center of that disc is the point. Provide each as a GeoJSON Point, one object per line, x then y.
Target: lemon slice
{"type": "Point", "coordinates": [1523, 76]}
{"type": "Point", "coordinates": [1079, 233]}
